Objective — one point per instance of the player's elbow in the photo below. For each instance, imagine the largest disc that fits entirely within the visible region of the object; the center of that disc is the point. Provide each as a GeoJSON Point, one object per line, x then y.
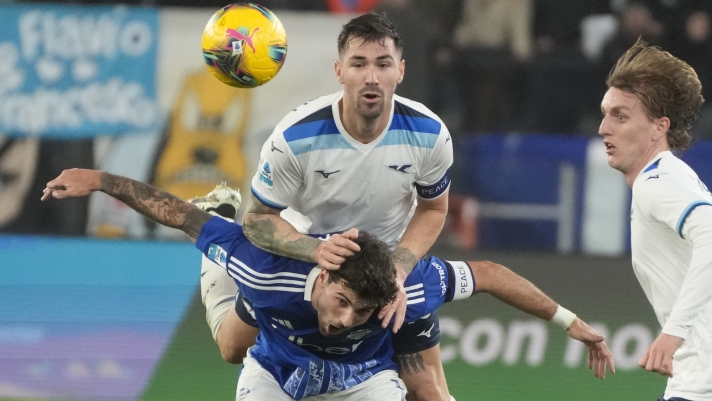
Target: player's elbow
{"type": "Point", "coordinates": [489, 276]}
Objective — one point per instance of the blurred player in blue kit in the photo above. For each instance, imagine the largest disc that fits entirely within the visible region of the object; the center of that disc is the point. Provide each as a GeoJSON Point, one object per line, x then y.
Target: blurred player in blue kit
{"type": "Point", "coordinates": [320, 334]}
{"type": "Point", "coordinates": [652, 101]}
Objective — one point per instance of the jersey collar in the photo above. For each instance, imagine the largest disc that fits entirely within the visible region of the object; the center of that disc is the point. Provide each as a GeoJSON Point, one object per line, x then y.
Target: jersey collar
{"type": "Point", "coordinates": [309, 286]}
{"type": "Point", "coordinates": [364, 147]}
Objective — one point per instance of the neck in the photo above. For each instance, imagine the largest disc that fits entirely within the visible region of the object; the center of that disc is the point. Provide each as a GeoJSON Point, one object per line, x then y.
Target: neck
{"type": "Point", "coordinates": [648, 156]}
{"type": "Point", "coordinates": [364, 130]}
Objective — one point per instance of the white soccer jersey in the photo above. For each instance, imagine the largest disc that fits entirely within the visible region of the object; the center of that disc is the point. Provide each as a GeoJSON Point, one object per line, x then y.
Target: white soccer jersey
{"type": "Point", "coordinates": [313, 166]}
{"type": "Point", "coordinates": [675, 270]}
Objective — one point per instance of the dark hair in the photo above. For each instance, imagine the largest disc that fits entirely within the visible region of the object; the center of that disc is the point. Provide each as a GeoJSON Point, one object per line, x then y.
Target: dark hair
{"type": "Point", "coordinates": [369, 27]}
{"type": "Point", "coordinates": [667, 87]}
{"type": "Point", "coordinates": [370, 273]}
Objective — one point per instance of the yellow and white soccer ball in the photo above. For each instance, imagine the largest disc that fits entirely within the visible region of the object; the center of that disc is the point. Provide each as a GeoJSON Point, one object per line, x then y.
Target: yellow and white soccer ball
{"type": "Point", "coordinates": [244, 45]}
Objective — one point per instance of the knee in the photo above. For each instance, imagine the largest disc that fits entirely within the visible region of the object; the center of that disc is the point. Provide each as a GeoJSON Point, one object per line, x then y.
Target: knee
{"type": "Point", "coordinates": [232, 354]}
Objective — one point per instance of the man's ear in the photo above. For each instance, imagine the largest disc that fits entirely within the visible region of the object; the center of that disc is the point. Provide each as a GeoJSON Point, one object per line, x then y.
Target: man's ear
{"type": "Point", "coordinates": [662, 125]}
{"type": "Point", "coordinates": [323, 275]}
{"type": "Point", "coordinates": [337, 70]}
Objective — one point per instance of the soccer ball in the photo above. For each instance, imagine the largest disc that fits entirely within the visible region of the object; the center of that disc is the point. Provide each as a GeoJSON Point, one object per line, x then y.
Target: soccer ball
{"type": "Point", "coordinates": [244, 45]}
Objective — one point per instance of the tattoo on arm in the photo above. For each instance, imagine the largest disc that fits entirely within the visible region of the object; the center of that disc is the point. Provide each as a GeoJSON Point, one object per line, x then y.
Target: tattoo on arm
{"type": "Point", "coordinates": [260, 227]}
{"type": "Point", "coordinates": [404, 258]}
{"type": "Point", "coordinates": [410, 363]}
{"type": "Point", "coordinates": [157, 205]}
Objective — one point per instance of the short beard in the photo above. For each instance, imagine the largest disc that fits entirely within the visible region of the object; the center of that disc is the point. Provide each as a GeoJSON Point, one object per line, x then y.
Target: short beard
{"type": "Point", "coordinates": [370, 114]}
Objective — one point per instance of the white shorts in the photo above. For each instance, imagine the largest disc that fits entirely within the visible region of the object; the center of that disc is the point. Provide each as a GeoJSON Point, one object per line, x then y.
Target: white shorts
{"type": "Point", "coordinates": [257, 384]}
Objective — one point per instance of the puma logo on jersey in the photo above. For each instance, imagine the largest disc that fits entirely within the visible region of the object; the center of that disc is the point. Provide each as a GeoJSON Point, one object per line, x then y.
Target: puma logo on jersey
{"type": "Point", "coordinates": [275, 148]}
{"type": "Point", "coordinates": [652, 177]}
{"type": "Point", "coordinates": [326, 174]}
{"type": "Point", "coordinates": [401, 168]}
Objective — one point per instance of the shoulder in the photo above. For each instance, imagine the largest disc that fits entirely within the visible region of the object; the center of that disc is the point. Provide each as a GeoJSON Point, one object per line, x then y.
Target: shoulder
{"type": "Point", "coordinates": [313, 110]}
{"type": "Point", "coordinates": [665, 176]}
{"type": "Point", "coordinates": [415, 125]}
{"type": "Point", "coordinates": [411, 108]}
{"type": "Point", "coordinates": [265, 277]}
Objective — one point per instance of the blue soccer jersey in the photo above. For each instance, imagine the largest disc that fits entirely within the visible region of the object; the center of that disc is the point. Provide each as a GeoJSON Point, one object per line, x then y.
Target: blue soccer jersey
{"type": "Point", "coordinates": [289, 345]}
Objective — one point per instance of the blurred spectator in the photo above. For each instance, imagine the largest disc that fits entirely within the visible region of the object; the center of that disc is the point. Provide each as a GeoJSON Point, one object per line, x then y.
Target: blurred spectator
{"type": "Point", "coordinates": [636, 20]}
{"type": "Point", "coordinates": [443, 16]}
{"type": "Point", "coordinates": [695, 47]}
{"type": "Point", "coordinates": [416, 32]}
{"type": "Point", "coordinates": [560, 76]}
{"type": "Point", "coordinates": [494, 38]}
{"type": "Point", "coordinates": [557, 24]}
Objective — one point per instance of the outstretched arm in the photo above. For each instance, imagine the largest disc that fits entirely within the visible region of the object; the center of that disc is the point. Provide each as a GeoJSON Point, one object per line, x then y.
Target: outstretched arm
{"type": "Point", "coordinates": [520, 293]}
{"type": "Point", "coordinates": [157, 205]}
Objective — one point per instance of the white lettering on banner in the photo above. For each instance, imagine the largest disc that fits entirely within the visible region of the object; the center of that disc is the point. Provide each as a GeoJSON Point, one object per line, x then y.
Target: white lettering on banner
{"type": "Point", "coordinates": [636, 334]}
{"type": "Point", "coordinates": [492, 331]}
{"type": "Point", "coordinates": [68, 37]}
{"type": "Point", "coordinates": [484, 341]}
{"type": "Point", "coordinates": [68, 53]}
{"type": "Point", "coordinates": [518, 333]}
{"type": "Point", "coordinates": [112, 102]}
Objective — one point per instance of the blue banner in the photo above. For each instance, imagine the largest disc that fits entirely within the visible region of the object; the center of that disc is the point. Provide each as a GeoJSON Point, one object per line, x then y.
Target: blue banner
{"type": "Point", "coordinates": [551, 193]}
{"type": "Point", "coordinates": [70, 71]}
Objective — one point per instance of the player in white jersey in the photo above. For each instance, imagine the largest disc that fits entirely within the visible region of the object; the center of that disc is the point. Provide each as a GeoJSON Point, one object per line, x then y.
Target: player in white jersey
{"type": "Point", "coordinates": [319, 334]}
{"type": "Point", "coordinates": [357, 158]}
{"type": "Point", "coordinates": [652, 101]}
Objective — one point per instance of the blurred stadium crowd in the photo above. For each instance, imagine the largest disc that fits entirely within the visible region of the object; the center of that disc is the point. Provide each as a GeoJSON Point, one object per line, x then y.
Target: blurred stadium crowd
{"type": "Point", "coordinates": [484, 66]}
{"type": "Point", "coordinates": [520, 65]}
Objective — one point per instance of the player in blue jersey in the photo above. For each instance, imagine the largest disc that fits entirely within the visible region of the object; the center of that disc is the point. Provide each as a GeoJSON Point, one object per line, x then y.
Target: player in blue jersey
{"type": "Point", "coordinates": [319, 334]}
{"type": "Point", "coordinates": [362, 157]}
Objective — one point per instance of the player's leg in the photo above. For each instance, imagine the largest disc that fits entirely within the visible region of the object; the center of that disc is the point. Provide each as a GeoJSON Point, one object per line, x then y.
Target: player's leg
{"type": "Point", "coordinates": [218, 289]}
{"type": "Point", "coordinates": [257, 384]}
{"type": "Point", "coordinates": [423, 375]}
{"type": "Point", "coordinates": [234, 337]}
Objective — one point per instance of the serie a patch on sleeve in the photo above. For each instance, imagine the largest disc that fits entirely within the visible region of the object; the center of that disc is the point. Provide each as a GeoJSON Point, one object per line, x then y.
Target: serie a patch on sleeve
{"type": "Point", "coordinates": [218, 255]}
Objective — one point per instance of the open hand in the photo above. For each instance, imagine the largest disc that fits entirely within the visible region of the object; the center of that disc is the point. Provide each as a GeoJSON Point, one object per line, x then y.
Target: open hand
{"type": "Point", "coordinates": [599, 356]}
{"type": "Point", "coordinates": [330, 254]}
{"type": "Point", "coordinates": [396, 309]}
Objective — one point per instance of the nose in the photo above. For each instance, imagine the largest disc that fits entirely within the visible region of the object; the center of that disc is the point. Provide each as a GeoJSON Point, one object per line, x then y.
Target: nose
{"type": "Point", "coordinates": [372, 77]}
{"type": "Point", "coordinates": [603, 128]}
{"type": "Point", "coordinates": [347, 318]}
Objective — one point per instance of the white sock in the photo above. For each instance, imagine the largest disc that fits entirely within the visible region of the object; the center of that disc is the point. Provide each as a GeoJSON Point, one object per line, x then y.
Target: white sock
{"type": "Point", "coordinates": [217, 290]}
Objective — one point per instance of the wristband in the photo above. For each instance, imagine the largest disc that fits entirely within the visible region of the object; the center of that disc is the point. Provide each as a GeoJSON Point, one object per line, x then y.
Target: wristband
{"type": "Point", "coordinates": [563, 317]}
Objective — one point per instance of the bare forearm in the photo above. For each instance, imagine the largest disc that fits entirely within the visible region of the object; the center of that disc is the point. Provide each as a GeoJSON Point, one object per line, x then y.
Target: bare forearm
{"type": "Point", "coordinates": [513, 289]}
{"type": "Point", "coordinates": [269, 231]}
{"type": "Point", "coordinates": [157, 205]}
{"type": "Point", "coordinates": [421, 233]}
